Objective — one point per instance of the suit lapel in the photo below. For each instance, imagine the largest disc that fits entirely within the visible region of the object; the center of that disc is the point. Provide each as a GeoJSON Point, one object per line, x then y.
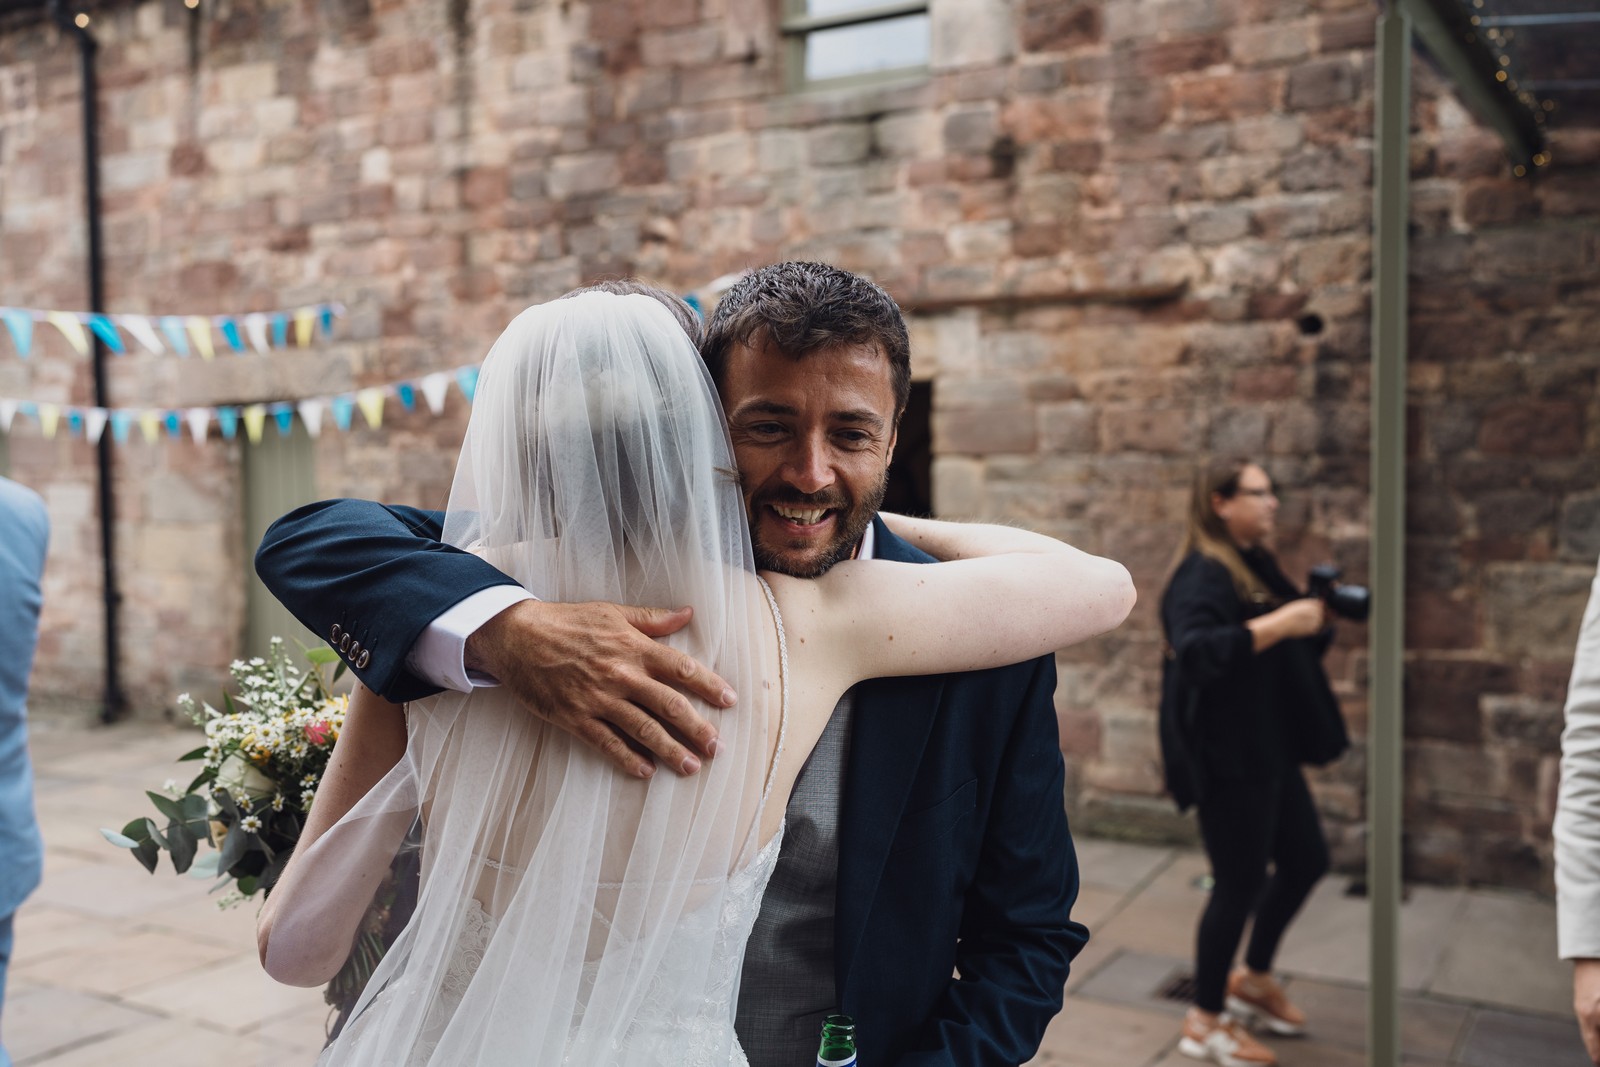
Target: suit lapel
{"type": "Point", "coordinates": [889, 731]}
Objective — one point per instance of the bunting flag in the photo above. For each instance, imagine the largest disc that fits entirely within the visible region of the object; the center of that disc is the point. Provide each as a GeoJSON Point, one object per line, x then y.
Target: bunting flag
{"type": "Point", "coordinates": [260, 331]}
{"type": "Point", "coordinates": [155, 423]}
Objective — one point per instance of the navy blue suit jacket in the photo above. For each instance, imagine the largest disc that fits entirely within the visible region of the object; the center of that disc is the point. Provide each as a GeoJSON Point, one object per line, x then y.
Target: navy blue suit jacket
{"type": "Point", "coordinates": [954, 849]}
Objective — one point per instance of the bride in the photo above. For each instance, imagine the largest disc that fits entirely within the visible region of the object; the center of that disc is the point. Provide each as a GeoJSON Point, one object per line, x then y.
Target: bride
{"type": "Point", "coordinates": [569, 913]}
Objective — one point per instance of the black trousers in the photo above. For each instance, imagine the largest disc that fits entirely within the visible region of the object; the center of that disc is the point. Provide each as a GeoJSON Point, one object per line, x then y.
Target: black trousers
{"type": "Point", "coordinates": [1247, 824]}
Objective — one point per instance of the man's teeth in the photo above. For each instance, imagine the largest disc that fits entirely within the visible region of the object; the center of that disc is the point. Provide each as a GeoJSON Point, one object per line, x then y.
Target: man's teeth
{"type": "Point", "coordinates": [803, 516]}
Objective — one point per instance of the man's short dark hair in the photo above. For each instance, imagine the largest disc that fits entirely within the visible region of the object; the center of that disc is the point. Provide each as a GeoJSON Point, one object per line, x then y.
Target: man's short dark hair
{"type": "Point", "coordinates": [687, 317]}
{"type": "Point", "coordinates": [800, 308]}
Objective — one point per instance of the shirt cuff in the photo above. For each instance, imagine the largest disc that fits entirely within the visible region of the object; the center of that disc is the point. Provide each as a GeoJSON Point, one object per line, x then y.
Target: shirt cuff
{"type": "Point", "coordinates": [440, 654]}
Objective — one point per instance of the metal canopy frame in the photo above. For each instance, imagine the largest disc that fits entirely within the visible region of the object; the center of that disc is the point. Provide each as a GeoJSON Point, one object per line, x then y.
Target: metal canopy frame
{"type": "Point", "coordinates": [1457, 38]}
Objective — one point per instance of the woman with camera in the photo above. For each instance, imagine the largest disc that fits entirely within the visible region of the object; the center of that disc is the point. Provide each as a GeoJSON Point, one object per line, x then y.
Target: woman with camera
{"type": "Point", "coordinates": [1244, 703]}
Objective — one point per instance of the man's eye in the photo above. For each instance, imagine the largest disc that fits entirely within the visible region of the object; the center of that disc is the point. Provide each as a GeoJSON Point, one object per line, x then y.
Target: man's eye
{"type": "Point", "coordinates": [765, 429]}
{"type": "Point", "coordinates": [854, 438]}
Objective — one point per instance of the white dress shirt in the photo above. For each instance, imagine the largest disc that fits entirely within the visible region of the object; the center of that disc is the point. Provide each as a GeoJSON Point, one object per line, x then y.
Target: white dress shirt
{"type": "Point", "coordinates": [440, 654]}
{"type": "Point", "coordinates": [1577, 825]}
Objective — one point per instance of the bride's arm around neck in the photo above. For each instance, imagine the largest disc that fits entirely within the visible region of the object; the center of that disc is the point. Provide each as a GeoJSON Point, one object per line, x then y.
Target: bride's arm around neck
{"type": "Point", "coordinates": [1000, 595]}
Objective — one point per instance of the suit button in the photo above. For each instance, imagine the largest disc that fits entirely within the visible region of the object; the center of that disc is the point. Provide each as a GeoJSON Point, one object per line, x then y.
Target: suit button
{"type": "Point", "coordinates": [344, 643]}
{"type": "Point", "coordinates": [361, 663]}
{"type": "Point", "coordinates": [337, 630]}
{"type": "Point", "coordinates": [355, 650]}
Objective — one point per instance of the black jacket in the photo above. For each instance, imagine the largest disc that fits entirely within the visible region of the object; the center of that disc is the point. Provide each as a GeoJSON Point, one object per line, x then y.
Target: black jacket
{"type": "Point", "coordinates": [1227, 712]}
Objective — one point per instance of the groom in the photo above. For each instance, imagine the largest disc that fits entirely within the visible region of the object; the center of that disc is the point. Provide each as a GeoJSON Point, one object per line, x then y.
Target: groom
{"type": "Point", "coordinates": [925, 835]}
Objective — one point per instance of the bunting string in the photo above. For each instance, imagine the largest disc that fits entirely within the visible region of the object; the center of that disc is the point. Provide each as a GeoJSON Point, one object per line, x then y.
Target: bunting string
{"type": "Point", "coordinates": [185, 335]}
{"type": "Point", "coordinates": [154, 422]}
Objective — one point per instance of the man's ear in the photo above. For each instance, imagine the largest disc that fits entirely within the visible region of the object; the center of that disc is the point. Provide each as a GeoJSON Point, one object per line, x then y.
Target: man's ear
{"type": "Point", "coordinates": [894, 439]}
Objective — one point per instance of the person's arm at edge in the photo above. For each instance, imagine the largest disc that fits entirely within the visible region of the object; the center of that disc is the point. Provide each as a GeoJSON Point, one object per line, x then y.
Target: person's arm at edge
{"type": "Point", "coordinates": [1577, 829]}
{"type": "Point", "coordinates": [1018, 939]}
{"type": "Point", "coordinates": [371, 742]}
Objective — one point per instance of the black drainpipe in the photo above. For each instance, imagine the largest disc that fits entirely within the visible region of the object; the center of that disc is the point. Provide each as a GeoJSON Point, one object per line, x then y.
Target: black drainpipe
{"type": "Point", "coordinates": [115, 700]}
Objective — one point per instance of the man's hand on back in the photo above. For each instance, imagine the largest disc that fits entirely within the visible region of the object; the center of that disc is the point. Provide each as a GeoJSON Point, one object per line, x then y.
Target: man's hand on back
{"type": "Point", "coordinates": [595, 671]}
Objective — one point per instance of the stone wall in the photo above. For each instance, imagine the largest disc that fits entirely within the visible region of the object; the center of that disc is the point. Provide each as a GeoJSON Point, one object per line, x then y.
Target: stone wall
{"type": "Point", "coordinates": [1127, 232]}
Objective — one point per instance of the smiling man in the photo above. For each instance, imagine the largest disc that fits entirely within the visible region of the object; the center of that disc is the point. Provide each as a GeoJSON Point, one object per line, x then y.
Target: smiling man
{"type": "Point", "coordinates": [925, 836]}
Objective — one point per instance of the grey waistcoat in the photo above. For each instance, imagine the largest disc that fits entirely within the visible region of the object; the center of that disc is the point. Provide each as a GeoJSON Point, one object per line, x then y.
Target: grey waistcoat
{"type": "Point", "coordinates": [787, 988]}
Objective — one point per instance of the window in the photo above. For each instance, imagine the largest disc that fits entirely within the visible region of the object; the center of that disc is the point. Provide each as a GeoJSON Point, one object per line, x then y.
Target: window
{"type": "Point", "coordinates": [279, 476]}
{"type": "Point", "coordinates": [843, 42]}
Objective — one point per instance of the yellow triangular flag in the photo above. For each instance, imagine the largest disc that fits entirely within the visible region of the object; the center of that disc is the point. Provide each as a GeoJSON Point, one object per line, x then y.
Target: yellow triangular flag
{"type": "Point", "coordinates": [49, 419]}
{"type": "Point", "coordinates": [304, 320]}
{"type": "Point", "coordinates": [150, 425]}
{"type": "Point", "coordinates": [371, 403]}
{"type": "Point", "coordinates": [255, 417]}
{"type": "Point", "coordinates": [200, 334]}
{"type": "Point", "coordinates": [71, 329]}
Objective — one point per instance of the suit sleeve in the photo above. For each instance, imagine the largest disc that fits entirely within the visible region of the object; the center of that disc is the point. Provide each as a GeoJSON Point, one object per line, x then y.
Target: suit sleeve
{"type": "Point", "coordinates": [1018, 939]}
{"type": "Point", "coordinates": [376, 572]}
{"type": "Point", "coordinates": [1203, 625]}
{"type": "Point", "coordinates": [1577, 824]}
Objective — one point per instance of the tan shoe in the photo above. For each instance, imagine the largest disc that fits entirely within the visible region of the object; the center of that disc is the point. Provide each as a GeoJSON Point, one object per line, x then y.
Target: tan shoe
{"type": "Point", "coordinates": [1223, 1042]}
{"type": "Point", "coordinates": [1260, 999]}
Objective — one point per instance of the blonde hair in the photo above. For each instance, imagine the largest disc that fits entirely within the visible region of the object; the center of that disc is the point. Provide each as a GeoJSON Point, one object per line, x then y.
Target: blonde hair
{"type": "Point", "coordinates": [1208, 535]}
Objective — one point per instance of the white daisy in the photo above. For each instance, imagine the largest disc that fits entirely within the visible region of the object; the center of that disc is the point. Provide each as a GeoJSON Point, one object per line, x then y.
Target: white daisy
{"type": "Point", "coordinates": [250, 824]}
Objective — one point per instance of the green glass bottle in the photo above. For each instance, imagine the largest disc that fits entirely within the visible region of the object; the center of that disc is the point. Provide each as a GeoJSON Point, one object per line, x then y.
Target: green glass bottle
{"type": "Point", "coordinates": [838, 1047]}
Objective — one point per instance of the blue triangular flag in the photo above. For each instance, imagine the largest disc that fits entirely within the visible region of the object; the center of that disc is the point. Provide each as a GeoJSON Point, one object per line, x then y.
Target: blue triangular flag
{"type": "Point", "coordinates": [230, 333]}
{"type": "Point", "coordinates": [694, 302]}
{"type": "Point", "coordinates": [467, 378]}
{"type": "Point", "coordinates": [172, 326]}
{"type": "Point", "coordinates": [408, 395]}
{"type": "Point", "coordinates": [280, 329]}
{"type": "Point", "coordinates": [228, 422]}
{"type": "Point", "coordinates": [343, 408]}
{"type": "Point", "coordinates": [327, 318]}
{"type": "Point", "coordinates": [120, 421]}
{"type": "Point", "coordinates": [75, 422]}
{"type": "Point", "coordinates": [173, 423]}
{"type": "Point", "coordinates": [20, 323]}
{"type": "Point", "coordinates": [284, 417]}
{"type": "Point", "coordinates": [103, 329]}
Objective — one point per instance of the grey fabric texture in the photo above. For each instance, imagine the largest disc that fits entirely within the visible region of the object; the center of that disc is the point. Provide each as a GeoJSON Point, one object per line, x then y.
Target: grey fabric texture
{"type": "Point", "coordinates": [788, 983]}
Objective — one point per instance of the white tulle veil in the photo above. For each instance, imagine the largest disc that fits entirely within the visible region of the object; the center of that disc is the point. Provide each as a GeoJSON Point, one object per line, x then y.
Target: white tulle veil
{"type": "Point", "coordinates": [596, 466]}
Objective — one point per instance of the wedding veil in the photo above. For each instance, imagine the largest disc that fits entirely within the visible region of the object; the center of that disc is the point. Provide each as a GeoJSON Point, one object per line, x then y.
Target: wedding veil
{"type": "Point", "coordinates": [563, 905]}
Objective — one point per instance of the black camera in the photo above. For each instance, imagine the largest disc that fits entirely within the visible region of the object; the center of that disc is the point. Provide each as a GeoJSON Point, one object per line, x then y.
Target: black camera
{"type": "Point", "coordinates": [1352, 602]}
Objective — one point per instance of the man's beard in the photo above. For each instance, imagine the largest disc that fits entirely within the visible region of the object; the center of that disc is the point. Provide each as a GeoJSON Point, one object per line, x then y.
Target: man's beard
{"type": "Point", "coordinates": [853, 522]}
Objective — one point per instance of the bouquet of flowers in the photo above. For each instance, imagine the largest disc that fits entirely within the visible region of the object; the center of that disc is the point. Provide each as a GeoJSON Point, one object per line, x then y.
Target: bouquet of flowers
{"type": "Point", "coordinates": [266, 750]}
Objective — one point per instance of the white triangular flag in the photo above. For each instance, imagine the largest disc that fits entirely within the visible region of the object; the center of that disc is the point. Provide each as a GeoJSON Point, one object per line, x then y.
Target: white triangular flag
{"type": "Point", "coordinates": [8, 411]}
{"type": "Point", "coordinates": [311, 415]}
{"type": "Point", "coordinates": [199, 423]}
{"type": "Point", "coordinates": [94, 423]}
{"type": "Point", "coordinates": [142, 332]}
{"type": "Point", "coordinates": [255, 328]}
{"type": "Point", "coordinates": [434, 388]}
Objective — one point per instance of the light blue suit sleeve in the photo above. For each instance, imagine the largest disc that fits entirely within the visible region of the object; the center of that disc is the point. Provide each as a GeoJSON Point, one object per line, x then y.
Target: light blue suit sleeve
{"type": "Point", "coordinates": [24, 536]}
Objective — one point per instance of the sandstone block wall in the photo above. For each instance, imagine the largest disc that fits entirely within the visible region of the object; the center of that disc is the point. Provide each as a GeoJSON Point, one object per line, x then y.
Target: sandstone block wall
{"type": "Point", "coordinates": [1127, 232]}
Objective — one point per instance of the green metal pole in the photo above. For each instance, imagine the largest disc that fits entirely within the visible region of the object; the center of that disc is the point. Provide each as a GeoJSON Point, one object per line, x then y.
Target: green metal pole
{"type": "Point", "coordinates": [1385, 730]}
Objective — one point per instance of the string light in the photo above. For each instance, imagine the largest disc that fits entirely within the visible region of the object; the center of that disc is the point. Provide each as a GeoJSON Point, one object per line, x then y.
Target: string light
{"type": "Point", "coordinates": [82, 21]}
{"type": "Point", "coordinates": [1541, 159]}
{"type": "Point", "coordinates": [1520, 171]}
{"type": "Point", "coordinates": [1500, 75]}
{"type": "Point", "coordinates": [191, 4]}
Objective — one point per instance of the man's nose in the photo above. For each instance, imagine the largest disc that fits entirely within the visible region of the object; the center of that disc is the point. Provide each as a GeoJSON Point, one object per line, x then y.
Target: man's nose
{"type": "Point", "coordinates": [807, 469]}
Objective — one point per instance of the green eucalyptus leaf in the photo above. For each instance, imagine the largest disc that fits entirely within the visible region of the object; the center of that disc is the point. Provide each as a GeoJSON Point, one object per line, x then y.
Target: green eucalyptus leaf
{"type": "Point", "coordinates": [120, 840]}
{"type": "Point", "coordinates": [338, 672]}
{"type": "Point", "coordinates": [225, 801]}
{"type": "Point", "coordinates": [154, 833]}
{"type": "Point", "coordinates": [205, 777]}
{"type": "Point", "coordinates": [147, 853]}
{"type": "Point", "coordinates": [137, 830]}
{"type": "Point", "coordinates": [193, 806]}
{"type": "Point", "coordinates": [322, 655]}
{"type": "Point", "coordinates": [204, 866]}
{"type": "Point", "coordinates": [183, 844]}
{"type": "Point", "coordinates": [234, 846]}
{"type": "Point", "coordinates": [193, 754]}
{"type": "Point", "coordinates": [166, 806]}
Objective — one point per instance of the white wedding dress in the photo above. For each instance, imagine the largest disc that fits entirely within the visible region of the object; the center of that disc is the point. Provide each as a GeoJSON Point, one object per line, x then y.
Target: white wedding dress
{"type": "Point", "coordinates": [670, 1028]}
{"type": "Point", "coordinates": [569, 913]}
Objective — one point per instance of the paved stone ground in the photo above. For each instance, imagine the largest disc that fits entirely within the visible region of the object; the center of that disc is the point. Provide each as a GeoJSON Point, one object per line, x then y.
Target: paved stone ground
{"type": "Point", "coordinates": [116, 967]}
